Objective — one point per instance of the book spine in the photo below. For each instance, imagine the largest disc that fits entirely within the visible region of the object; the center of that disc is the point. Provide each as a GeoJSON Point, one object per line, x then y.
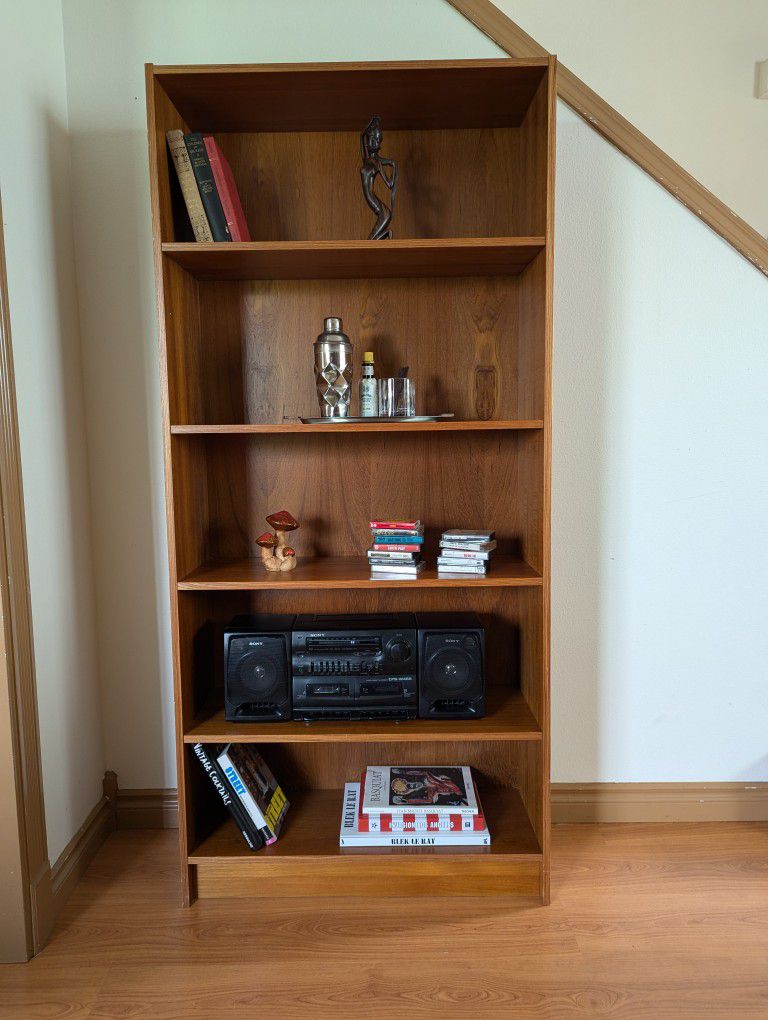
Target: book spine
{"type": "Point", "coordinates": [423, 823]}
{"type": "Point", "coordinates": [200, 225]}
{"type": "Point", "coordinates": [473, 557]}
{"type": "Point", "coordinates": [403, 547]}
{"type": "Point", "coordinates": [206, 185]}
{"type": "Point", "coordinates": [386, 540]}
{"type": "Point", "coordinates": [416, 839]}
{"type": "Point", "coordinates": [225, 185]}
{"type": "Point", "coordinates": [395, 525]}
{"type": "Point", "coordinates": [249, 804]}
{"type": "Point", "coordinates": [401, 533]}
{"type": "Point", "coordinates": [249, 831]}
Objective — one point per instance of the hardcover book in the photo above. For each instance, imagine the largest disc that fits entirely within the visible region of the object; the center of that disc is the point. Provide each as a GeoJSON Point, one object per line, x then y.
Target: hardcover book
{"type": "Point", "coordinates": [200, 225]}
{"type": "Point", "coordinates": [350, 835]}
{"type": "Point", "coordinates": [255, 786]}
{"type": "Point", "coordinates": [247, 827]}
{"type": "Point", "coordinates": [418, 789]}
{"type": "Point", "coordinates": [409, 822]}
{"type": "Point", "coordinates": [206, 185]}
{"type": "Point", "coordinates": [227, 189]}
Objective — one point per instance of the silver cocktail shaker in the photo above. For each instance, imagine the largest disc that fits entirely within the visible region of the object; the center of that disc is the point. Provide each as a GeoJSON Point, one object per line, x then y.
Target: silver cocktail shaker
{"type": "Point", "coordinates": [333, 370]}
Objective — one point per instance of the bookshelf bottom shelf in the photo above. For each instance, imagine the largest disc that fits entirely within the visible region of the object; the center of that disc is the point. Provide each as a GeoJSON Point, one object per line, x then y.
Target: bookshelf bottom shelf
{"type": "Point", "coordinates": [307, 860]}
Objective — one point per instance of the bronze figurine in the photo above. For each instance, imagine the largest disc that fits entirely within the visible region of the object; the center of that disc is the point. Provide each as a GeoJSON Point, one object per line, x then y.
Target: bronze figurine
{"type": "Point", "coordinates": [374, 167]}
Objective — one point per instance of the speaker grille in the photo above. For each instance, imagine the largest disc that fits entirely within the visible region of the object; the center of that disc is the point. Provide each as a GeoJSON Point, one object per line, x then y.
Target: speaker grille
{"type": "Point", "coordinates": [257, 676]}
{"type": "Point", "coordinates": [449, 669]}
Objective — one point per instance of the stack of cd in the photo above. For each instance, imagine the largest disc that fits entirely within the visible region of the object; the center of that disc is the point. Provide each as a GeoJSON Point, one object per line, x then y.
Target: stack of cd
{"type": "Point", "coordinates": [396, 550]}
{"type": "Point", "coordinates": [465, 552]}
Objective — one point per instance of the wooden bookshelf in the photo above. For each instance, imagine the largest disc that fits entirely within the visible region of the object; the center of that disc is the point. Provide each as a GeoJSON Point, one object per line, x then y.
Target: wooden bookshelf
{"type": "Point", "coordinates": [463, 295]}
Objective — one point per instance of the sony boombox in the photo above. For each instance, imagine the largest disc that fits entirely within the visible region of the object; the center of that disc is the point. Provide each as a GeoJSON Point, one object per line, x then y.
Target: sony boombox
{"type": "Point", "coordinates": [387, 666]}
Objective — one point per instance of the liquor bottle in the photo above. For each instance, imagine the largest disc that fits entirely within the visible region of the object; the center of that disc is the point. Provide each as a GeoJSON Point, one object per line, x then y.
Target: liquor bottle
{"type": "Point", "coordinates": [369, 401]}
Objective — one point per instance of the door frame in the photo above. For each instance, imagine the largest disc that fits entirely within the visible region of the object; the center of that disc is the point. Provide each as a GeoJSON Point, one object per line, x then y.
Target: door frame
{"type": "Point", "coordinates": [26, 899]}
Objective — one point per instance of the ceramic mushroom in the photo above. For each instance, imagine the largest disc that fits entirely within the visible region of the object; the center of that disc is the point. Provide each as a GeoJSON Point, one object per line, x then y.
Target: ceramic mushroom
{"type": "Point", "coordinates": [283, 523]}
{"type": "Point", "coordinates": [268, 543]}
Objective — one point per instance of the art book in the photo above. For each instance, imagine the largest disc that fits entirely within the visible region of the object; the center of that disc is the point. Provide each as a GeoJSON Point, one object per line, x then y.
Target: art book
{"type": "Point", "coordinates": [418, 789]}
{"type": "Point", "coordinates": [351, 837]}
{"type": "Point", "coordinates": [409, 822]}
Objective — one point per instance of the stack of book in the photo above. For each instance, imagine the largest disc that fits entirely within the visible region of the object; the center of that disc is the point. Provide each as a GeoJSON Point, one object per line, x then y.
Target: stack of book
{"type": "Point", "coordinates": [411, 805]}
{"type": "Point", "coordinates": [248, 790]}
{"type": "Point", "coordinates": [465, 552]}
{"type": "Point", "coordinates": [395, 553]}
{"type": "Point", "coordinates": [208, 187]}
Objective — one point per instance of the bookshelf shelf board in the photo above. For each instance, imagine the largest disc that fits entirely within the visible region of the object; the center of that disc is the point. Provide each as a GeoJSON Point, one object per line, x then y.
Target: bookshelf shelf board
{"type": "Point", "coordinates": [449, 425]}
{"type": "Point", "coordinates": [508, 717]}
{"type": "Point", "coordinates": [307, 260]}
{"type": "Point", "coordinates": [347, 572]}
{"type": "Point", "coordinates": [312, 830]}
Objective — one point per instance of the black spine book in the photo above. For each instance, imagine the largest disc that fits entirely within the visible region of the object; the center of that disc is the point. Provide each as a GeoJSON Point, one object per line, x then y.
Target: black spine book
{"type": "Point", "coordinates": [250, 833]}
{"type": "Point", "coordinates": [206, 185]}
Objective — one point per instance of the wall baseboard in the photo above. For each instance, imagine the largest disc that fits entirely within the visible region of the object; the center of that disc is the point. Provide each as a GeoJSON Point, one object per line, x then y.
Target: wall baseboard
{"type": "Point", "coordinates": [659, 802]}
{"type": "Point", "coordinates": [571, 802]}
{"type": "Point", "coordinates": [53, 885]}
{"type": "Point", "coordinates": [147, 809]}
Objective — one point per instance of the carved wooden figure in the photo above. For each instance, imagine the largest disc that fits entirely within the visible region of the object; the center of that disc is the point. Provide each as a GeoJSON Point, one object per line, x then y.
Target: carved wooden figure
{"type": "Point", "coordinates": [276, 554]}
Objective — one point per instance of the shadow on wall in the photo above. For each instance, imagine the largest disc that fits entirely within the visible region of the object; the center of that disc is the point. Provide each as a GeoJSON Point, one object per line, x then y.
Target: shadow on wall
{"type": "Point", "coordinates": [59, 544]}
{"type": "Point", "coordinates": [583, 217]}
{"type": "Point", "coordinates": [120, 369]}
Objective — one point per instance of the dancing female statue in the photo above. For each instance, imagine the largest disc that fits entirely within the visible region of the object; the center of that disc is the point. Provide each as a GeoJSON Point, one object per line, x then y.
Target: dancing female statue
{"type": "Point", "coordinates": [374, 167]}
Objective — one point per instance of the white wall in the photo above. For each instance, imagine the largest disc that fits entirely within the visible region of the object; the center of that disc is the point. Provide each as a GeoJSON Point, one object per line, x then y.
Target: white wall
{"type": "Point", "coordinates": [34, 180]}
{"type": "Point", "coordinates": [682, 71]}
{"type": "Point", "coordinates": [659, 657]}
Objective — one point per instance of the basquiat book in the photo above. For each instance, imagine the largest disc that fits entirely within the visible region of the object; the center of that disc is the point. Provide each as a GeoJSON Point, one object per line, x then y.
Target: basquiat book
{"type": "Point", "coordinates": [419, 789]}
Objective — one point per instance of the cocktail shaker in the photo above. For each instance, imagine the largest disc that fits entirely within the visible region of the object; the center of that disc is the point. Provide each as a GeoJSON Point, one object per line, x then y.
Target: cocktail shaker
{"type": "Point", "coordinates": [333, 370]}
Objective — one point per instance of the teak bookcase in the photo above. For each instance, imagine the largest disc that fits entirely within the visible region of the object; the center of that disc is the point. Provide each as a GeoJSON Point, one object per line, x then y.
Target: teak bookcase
{"type": "Point", "coordinates": [463, 295]}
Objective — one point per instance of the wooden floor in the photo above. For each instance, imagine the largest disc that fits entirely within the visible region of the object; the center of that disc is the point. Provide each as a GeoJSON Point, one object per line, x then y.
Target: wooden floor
{"type": "Point", "coordinates": [646, 921]}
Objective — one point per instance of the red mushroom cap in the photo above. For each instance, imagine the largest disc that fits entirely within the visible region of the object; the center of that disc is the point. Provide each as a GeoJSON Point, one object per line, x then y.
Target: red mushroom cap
{"type": "Point", "coordinates": [287, 551]}
{"type": "Point", "coordinates": [267, 540]}
{"type": "Point", "coordinates": [282, 521]}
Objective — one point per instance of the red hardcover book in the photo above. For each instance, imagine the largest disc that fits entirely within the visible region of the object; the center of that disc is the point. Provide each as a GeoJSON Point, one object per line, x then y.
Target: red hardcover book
{"type": "Point", "coordinates": [390, 547]}
{"type": "Point", "coordinates": [227, 189]}
{"type": "Point", "coordinates": [396, 525]}
{"type": "Point", "coordinates": [419, 823]}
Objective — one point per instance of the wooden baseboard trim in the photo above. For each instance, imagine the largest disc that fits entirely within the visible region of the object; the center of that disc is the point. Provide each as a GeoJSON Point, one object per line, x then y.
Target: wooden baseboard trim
{"type": "Point", "coordinates": [52, 886]}
{"type": "Point", "coordinates": [659, 802]}
{"type": "Point", "coordinates": [616, 129]}
{"type": "Point", "coordinates": [571, 802]}
{"type": "Point", "coordinates": [147, 809]}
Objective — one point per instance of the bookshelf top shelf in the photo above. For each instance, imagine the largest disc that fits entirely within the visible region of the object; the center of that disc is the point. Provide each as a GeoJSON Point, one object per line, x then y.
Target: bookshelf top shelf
{"type": "Point", "coordinates": [306, 260]}
{"type": "Point", "coordinates": [342, 97]}
{"type": "Point", "coordinates": [348, 572]}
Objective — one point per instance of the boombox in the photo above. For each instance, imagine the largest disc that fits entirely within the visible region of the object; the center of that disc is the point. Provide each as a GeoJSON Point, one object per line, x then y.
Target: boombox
{"type": "Point", "coordinates": [386, 666]}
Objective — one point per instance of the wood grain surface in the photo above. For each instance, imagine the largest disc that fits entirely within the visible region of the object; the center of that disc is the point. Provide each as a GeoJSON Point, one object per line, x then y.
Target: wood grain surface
{"type": "Point", "coordinates": [668, 922]}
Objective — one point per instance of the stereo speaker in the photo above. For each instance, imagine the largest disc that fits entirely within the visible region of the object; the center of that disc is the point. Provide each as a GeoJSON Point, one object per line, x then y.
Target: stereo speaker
{"type": "Point", "coordinates": [451, 666]}
{"type": "Point", "coordinates": [257, 669]}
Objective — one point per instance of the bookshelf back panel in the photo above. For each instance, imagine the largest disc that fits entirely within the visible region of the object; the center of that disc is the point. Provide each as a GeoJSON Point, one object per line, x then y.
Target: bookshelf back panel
{"type": "Point", "coordinates": [335, 484]}
{"type": "Point", "coordinates": [469, 348]}
{"type": "Point", "coordinates": [513, 647]}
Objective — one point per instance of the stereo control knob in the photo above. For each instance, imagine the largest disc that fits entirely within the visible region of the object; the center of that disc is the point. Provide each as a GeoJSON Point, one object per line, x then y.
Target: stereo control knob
{"type": "Point", "coordinates": [399, 650]}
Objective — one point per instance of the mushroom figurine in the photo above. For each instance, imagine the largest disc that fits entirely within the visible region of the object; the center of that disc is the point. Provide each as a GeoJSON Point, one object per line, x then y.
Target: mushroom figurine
{"type": "Point", "coordinates": [283, 523]}
{"type": "Point", "coordinates": [268, 543]}
{"type": "Point", "coordinates": [289, 558]}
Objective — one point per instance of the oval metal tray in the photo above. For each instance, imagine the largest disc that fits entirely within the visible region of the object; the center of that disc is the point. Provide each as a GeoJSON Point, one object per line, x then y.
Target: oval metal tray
{"type": "Point", "coordinates": [385, 418]}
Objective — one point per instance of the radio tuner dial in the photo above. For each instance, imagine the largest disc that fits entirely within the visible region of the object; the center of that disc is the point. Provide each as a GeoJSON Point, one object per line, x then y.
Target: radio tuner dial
{"type": "Point", "coordinates": [398, 650]}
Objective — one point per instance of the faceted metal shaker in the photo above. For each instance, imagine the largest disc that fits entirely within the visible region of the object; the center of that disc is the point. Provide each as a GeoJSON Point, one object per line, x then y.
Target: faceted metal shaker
{"type": "Point", "coordinates": [333, 370]}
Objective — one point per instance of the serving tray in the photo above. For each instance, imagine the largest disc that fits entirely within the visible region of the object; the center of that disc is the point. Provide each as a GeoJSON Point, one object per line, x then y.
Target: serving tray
{"type": "Point", "coordinates": [350, 419]}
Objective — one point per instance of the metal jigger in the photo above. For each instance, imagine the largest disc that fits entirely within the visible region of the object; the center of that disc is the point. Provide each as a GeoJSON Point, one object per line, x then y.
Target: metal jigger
{"type": "Point", "coordinates": [333, 370]}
